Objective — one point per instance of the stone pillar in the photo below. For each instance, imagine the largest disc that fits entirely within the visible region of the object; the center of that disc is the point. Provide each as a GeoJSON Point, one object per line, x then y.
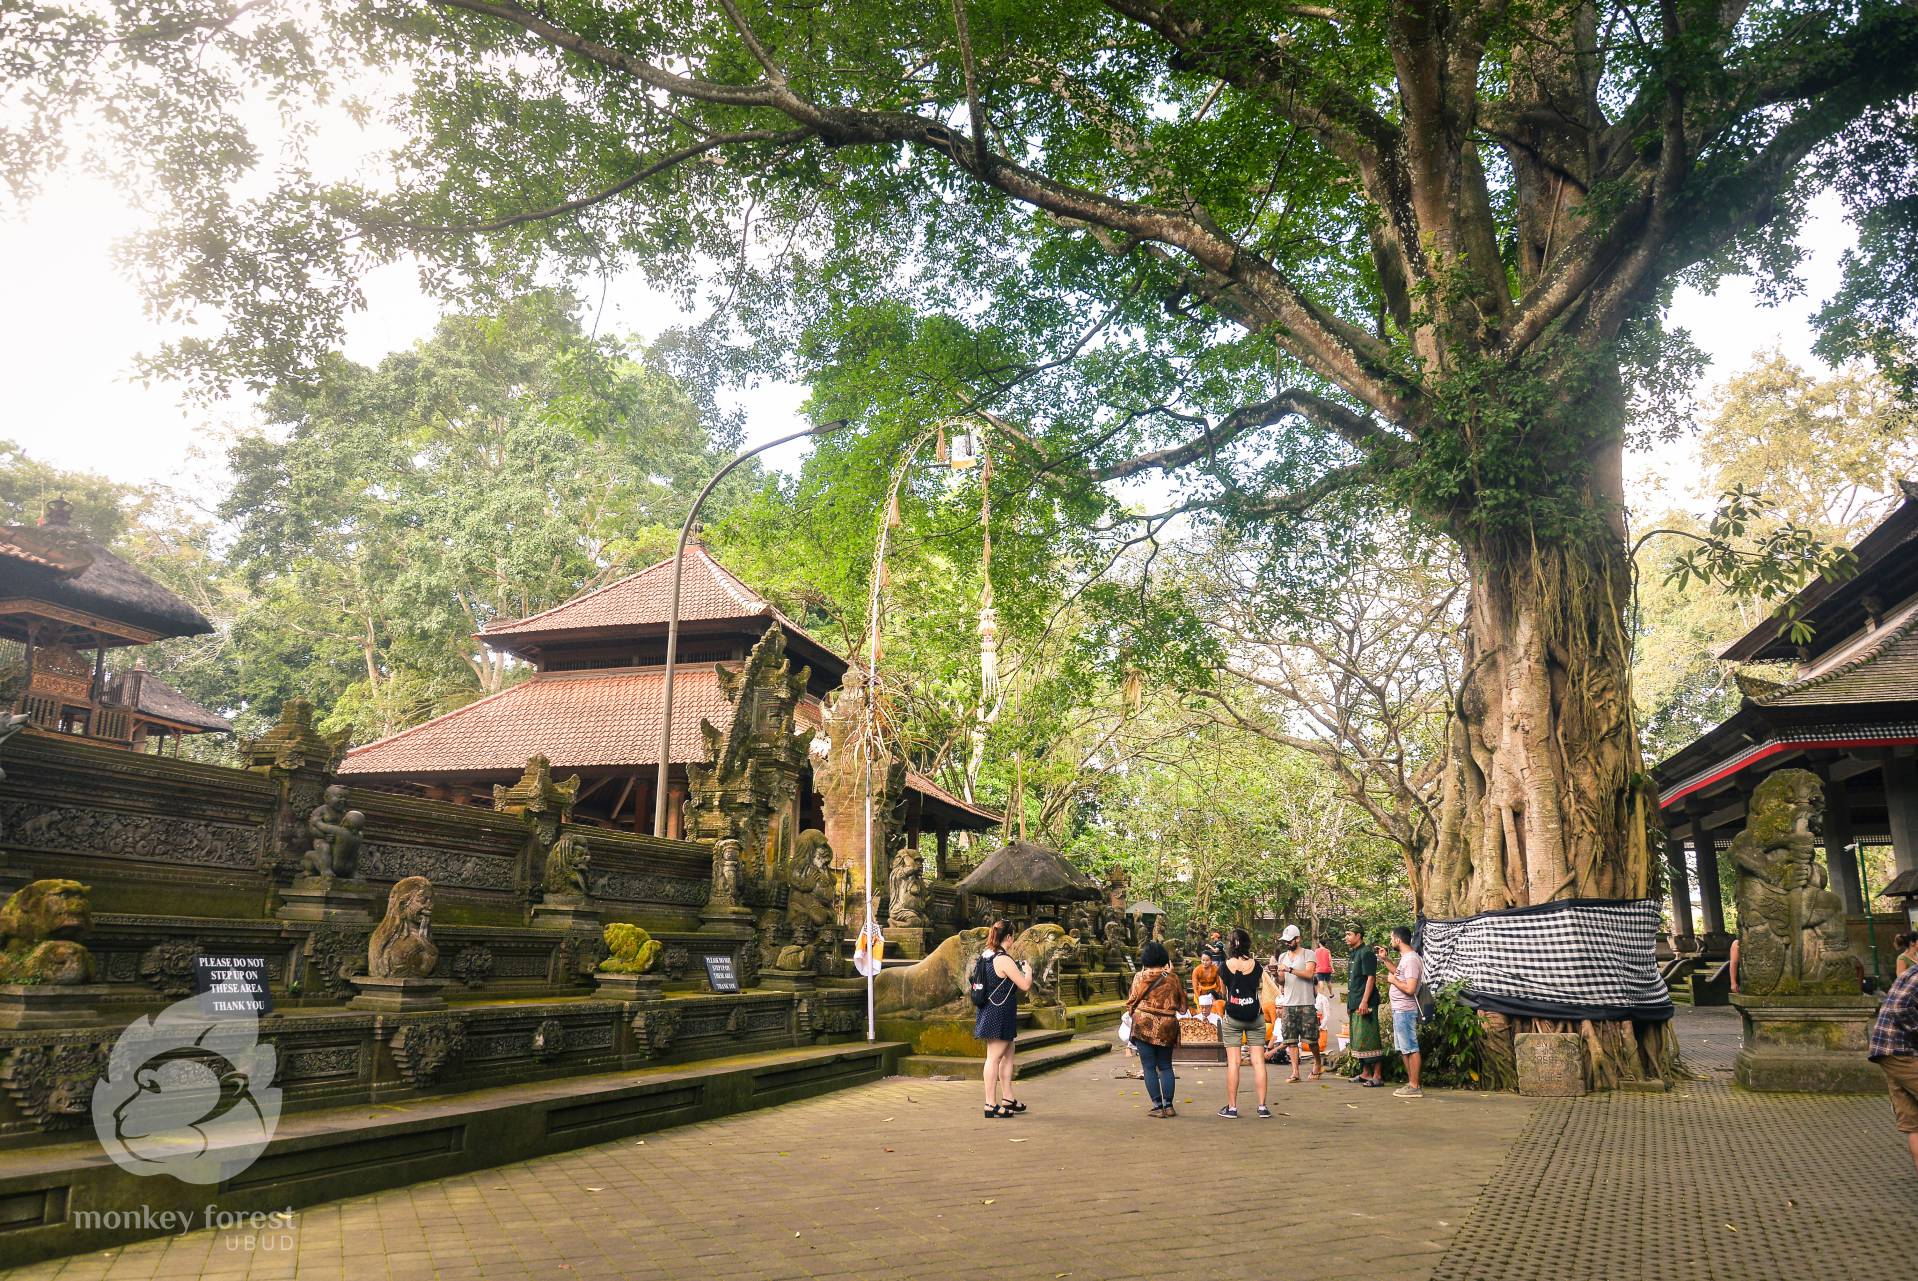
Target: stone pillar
{"type": "Point", "coordinates": [943, 866]}
{"type": "Point", "coordinates": [1841, 863]}
{"type": "Point", "coordinates": [1901, 802]}
{"type": "Point", "coordinates": [1682, 925]}
{"type": "Point", "coordinates": [1711, 901]}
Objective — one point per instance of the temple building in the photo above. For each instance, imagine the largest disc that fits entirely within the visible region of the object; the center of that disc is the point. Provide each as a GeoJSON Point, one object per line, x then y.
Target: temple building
{"type": "Point", "coordinates": [1847, 710]}
{"type": "Point", "coordinates": [66, 601]}
{"type": "Point", "coordinates": [592, 704]}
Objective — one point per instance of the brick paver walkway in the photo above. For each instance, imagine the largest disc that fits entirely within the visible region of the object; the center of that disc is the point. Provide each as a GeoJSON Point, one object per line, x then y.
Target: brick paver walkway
{"type": "Point", "coordinates": [902, 1179]}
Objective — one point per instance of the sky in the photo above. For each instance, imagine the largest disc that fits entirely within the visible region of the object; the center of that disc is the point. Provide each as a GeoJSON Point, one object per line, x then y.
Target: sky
{"type": "Point", "coordinates": [74, 325]}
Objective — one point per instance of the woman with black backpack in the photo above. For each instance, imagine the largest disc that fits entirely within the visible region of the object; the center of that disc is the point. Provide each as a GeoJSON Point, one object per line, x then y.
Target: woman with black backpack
{"type": "Point", "coordinates": [1242, 1024]}
{"type": "Point", "coordinates": [997, 980]}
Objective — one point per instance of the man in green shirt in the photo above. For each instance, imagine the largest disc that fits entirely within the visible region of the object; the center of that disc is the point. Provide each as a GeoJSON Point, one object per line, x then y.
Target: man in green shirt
{"type": "Point", "coordinates": [1362, 1008]}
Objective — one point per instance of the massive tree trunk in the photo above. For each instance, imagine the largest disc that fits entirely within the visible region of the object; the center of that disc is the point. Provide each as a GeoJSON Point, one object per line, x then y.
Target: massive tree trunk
{"type": "Point", "coordinates": [1547, 797]}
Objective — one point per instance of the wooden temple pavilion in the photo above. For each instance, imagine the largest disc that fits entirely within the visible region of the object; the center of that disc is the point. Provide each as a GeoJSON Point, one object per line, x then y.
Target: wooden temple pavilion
{"type": "Point", "coordinates": [592, 703]}
{"type": "Point", "coordinates": [1848, 711]}
{"type": "Point", "coordinates": [66, 601]}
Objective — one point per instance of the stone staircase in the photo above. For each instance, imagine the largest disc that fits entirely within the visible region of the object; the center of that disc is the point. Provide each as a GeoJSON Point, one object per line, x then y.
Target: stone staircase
{"type": "Point", "coordinates": [1037, 1050]}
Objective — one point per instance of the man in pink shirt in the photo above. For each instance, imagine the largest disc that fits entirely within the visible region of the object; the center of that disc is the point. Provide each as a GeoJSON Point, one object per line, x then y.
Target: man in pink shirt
{"type": "Point", "coordinates": [1322, 957]}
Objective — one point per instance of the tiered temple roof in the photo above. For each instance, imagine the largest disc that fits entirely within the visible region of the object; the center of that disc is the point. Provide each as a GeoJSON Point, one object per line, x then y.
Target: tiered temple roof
{"type": "Point", "coordinates": [592, 705]}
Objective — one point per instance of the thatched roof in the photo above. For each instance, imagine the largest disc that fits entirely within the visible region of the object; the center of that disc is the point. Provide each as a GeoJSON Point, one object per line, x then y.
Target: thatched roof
{"type": "Point", "coordinates": [56, 564]}
{"type": "Point", "coordinates": [1021, 872]}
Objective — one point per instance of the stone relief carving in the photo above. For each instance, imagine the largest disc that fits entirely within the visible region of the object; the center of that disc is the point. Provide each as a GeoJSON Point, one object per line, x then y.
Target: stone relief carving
{"type": "Point", "coordinates": [169, 966]}
{"type": "Point", "coordinates": [474, 965]}
{"type": "Point", "coordinates": [334, 956]}
{"type": "Point", "coordinates": [52, 1085]}
{"type": "Point", "coordinates": [647, 887]}
{"type": "Point", "coordinates": [654, 1029]}
{"type": "Point", "coordinates": [424, 1050]}
{"type": "Point", "coordinates": [549, 1038]}
{"type": "Point", "coordinates": [385, 861]}
{"type": "Point", "coordinates": [751, 768]}
{"type": "Point", "coordinates": [566, 869]}
{"type": "Point", "coordinates": [149, 838]}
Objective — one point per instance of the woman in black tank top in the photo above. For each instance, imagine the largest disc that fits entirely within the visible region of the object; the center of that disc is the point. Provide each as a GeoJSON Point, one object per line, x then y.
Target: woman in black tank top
{"type": "Point", "coordinates": [1241, 1025]}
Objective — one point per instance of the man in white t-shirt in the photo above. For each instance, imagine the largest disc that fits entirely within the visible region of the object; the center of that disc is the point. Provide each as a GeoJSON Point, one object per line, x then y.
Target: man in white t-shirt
{"type": "Point", "coordinates": [1405, 977]}
{"type": "Point", "coordinates": [1298, 1016]}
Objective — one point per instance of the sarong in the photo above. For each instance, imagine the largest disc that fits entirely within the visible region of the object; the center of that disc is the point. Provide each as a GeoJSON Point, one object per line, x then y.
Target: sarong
{"type": "Point", "coordinates": [1365, 1043]}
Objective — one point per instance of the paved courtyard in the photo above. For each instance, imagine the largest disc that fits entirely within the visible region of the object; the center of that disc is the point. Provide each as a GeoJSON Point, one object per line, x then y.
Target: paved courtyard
{"type": "Point", "coordinates": [902, 1179]}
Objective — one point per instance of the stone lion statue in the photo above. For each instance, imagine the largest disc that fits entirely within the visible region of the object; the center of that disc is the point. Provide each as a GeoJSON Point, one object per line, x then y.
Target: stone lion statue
{"type": "Point", "coordinates": [936, 986]}
{"type": "Point", "coordinates": [402, 945]}
{"type": "Point", "coordinates": [40, 929]}
{"type": "Point", "coordinates": [566, 866]}
{"type": "Point", "coordinates": [630, 949]}
{"type": "Point", "coordinates": [1792, 935]}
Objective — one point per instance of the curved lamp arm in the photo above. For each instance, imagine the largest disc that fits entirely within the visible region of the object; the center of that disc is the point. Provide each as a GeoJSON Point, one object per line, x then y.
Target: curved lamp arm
{"type": "Point", "coordinates": [672, 617]}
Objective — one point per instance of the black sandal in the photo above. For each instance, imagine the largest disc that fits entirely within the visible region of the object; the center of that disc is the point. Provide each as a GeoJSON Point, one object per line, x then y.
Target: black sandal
{"type": "Point", "coordinates": [994, 1114]}
{"type": "Point", "coordinates": [1013, 1105]}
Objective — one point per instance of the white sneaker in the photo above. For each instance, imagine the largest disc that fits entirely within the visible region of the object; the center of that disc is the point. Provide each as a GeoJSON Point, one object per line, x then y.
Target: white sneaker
{"type": "Point", "coordinates": [1408, 1092]}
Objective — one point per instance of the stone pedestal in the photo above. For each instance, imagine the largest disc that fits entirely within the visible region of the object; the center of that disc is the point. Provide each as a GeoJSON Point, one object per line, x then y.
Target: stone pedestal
{"type": "Point", "coordinates": [788, 980]}
{"type": "Point", "coordinates": [1551, 1065]}
{"type": "Point", "coordinates": [628, 987]}
{"type": "Point", "coordinates": [905, 941]}
{"type": "Point", "coordinates": [323, 898]}
{"type": "Point", "coordinates": [1807, 1043]}
{"type": "Point", "coordinates": [565, 914]}
{"type": "Point", "coordinates": [396, 996]}
{"type": "Point", "coordinates": [33, 1005]}
{"type": "Point", "coordinates": [1715, 945]}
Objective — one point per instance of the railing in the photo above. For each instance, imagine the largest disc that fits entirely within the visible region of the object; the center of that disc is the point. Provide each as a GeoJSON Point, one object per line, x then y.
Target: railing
{"type": "Point", "coordinates": [102, 724]}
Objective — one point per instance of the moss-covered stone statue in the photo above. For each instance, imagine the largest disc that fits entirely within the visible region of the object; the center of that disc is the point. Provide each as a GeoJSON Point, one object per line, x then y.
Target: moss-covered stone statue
{"type": "Point", "coordinates": [630, 950]}
{"type": "Point", "coordinates": [566, 866]}
{"type": "Point", "coordinates": [40, 929]}
{"type": "Point", "coordinates": [1792, 936]}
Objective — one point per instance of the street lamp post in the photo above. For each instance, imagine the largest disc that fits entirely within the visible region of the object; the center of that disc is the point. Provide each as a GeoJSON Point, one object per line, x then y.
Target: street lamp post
{"type": "Point", "coordinates": [672, 619]}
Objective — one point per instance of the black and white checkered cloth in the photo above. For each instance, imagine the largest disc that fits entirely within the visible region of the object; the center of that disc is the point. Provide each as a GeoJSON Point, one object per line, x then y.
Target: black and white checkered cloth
{"type": "Point", "coordinates": [1574, 959]}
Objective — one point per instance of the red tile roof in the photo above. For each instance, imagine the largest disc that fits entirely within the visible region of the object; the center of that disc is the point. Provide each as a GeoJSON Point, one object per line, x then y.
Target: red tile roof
{"type": "Point", "coordinates": [707, 592]}
{"type": "Point", "coordinates": [581, 720]}
{"type": "Point", "coordinates": [577, 720]}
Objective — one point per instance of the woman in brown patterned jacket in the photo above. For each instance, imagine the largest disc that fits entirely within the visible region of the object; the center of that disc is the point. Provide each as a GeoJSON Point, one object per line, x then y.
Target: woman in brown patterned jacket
{"type": "Point", "coordinates": [1156, 999]}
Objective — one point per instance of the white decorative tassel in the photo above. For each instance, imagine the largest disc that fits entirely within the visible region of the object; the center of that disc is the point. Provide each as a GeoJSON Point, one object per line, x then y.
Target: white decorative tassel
{"type": "Point", "coordinates": [988, 651]}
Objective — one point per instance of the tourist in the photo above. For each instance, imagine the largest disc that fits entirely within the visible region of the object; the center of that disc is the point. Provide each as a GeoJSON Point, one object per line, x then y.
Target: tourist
{"type": "Point", "coordinates": [1300, 1015]}
{"type": "Point", "coordinates": [1322, 958]}
{"type": "Point", "coordinates": [1362, 1009]}
{"type": "Point", "coordinates": [1907, 945]}
{"type": "Point", "coordinates": [1894, 1048]}
{"type": "Point", "coordinates": [1214, 948]}
{"type": "Point", "coordinates": [1405, 978]}
{"type": "Point", "coordinates": [1240, 1026]}
{"type": "Point", "coordinates": [1156, 999]}
{"type": "Point", "coordinates": [995, 976]}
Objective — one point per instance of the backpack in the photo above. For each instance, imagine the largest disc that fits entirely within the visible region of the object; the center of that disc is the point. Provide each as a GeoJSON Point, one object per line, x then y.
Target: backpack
{"type": "Point", "coordinates": [982, 977]}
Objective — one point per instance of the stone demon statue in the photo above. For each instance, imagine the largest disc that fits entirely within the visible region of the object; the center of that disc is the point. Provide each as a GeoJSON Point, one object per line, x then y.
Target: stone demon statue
{"type": "Point", "coordinates": [40, 929]}
{"type": "Point", "coordinates": [566, 866]}
{"type": "Point", "coordinates": [1792, 928]}
{"type": "Point", "coordinates": [402, 946]}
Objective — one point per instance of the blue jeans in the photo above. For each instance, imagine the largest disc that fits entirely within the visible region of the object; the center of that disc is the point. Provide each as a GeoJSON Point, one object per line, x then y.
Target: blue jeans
{"type": "Point", "coordinates": [1156, 1060]}
{"type": "Point", "coordinates": [1405, 1031]}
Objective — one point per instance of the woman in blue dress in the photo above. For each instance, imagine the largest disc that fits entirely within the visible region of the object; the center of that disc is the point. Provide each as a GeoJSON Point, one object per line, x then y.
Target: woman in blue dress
{"type": "Point", "coordinates": [998, 1023]}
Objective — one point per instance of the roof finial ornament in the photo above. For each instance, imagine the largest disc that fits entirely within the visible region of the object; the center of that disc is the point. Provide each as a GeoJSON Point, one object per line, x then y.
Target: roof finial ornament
{"type": "Point", "coordinates": [58, 514]}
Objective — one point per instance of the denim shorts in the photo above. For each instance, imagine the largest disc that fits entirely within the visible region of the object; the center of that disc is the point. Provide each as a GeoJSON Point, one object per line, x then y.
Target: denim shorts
{"type": "Point", "coordinates": [1405, 1031]}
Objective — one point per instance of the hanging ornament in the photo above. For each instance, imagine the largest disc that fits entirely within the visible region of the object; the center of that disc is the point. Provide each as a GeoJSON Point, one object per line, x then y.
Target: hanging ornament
{"type": "Point", "coordinates": [988, 648]}
{"type": "Point", "coordinates": [965, 451]}
{"type": "Point", "coordinates": [893, 518]}
{"type": "Point", "coordinates": [869, 954]}
{"type": "Point", "coordinates": [939, 449]}
{"type": "Point", "coordinates": [1133, 690]}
